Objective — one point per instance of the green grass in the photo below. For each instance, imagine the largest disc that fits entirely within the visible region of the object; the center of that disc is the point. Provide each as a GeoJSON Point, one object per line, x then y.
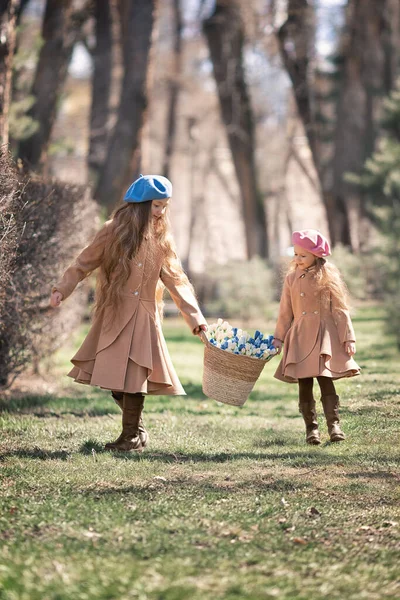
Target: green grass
{"type": "Point", "coordinates": [226, 502]}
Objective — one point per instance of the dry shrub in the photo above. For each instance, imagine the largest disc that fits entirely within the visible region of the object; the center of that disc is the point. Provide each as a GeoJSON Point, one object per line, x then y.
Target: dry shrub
{"type": "Point", "coordinates": [43, 225]}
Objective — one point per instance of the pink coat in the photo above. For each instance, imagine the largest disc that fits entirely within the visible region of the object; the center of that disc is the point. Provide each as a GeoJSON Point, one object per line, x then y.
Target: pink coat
{"type": "Point", "coordinates": [130, 355]}
{"type": "Point", "coordinates": [313, 334]}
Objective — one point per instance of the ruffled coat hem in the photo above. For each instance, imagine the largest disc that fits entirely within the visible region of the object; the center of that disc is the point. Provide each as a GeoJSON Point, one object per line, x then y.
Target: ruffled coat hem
{"type": "Point", "coordinates": [315, 358]}
{"type": "Point", "coordinates": [143, 365]}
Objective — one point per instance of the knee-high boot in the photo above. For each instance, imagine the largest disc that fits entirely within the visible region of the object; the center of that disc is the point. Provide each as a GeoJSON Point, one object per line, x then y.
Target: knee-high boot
{"type": "Point", "coordinates": [309, 412]}
{"type": "Point", "coordinates": [331, 409]}
{"type": "Point", "coordinates": [131, 412]}
{"type": "Point", "coordinates": [143, 434]}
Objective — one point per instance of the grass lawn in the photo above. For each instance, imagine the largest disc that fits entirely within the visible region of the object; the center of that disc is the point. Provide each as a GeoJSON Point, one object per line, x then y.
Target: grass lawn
{"type": "Point", "coordinates": [226, 502]}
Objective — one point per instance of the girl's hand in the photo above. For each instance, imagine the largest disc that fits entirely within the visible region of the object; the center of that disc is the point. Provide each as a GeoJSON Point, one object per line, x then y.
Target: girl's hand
{"type": "Point", "coordinates": [200, 328]}
{"type": "Point", "coordinates": [56, 299]}
{"type": "Point", "coordinates": [350, 348]}
{"type": "Point", "coordinates": [278, 345]}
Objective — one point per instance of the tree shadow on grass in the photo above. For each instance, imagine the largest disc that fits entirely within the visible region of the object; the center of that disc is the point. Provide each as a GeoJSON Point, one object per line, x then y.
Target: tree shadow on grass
{"type": "Point", "coordinates": [385, 394]}
{"type": "Point", "coordinates": [39, 406]}
{"type": "Point", "coordinates": [146, 491]}
{"type": "Point", "coordinates": [17, 405]}
{"type": "Point", "coordinates": [307, 458]}
{"type": "Point", "coordinates": [36, 453]}
{"type": "Point", "coordinates": [300, 459]}
{"type": "Point", "coordinates": [367, 411]}
{"type": "Point", "coordinates": [373, 475]}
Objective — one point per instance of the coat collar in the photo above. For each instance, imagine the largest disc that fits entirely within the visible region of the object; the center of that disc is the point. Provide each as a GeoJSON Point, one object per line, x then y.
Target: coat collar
{"type": "Point", "coordinates": [299, 273]}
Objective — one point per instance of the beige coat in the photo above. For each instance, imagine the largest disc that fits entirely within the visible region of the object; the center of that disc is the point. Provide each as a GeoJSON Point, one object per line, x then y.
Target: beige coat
{"type": "Point", "coordinates": [313, 334]}
{"type": "Point", "coordinates": [130, 355]}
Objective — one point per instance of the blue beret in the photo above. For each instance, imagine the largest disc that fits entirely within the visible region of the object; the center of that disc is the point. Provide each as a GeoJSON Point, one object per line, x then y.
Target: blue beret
{"type": "Point", "coordinates": [149, 187]}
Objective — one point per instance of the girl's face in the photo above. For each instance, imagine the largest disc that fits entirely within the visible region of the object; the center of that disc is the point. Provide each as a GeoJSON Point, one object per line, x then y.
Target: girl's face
{"type": "Point", "coordinates": [303, 259]}
{"type": "Point", "coordinates": [158, 208]}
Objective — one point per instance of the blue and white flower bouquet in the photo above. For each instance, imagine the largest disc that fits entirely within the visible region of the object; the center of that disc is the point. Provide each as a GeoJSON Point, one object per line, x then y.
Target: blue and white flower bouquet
{"type": "Point", "coordinates": [232, 339]}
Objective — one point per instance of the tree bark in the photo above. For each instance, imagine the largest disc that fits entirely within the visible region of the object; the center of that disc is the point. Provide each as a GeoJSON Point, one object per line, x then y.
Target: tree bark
{"type": "Point", "coordinates": [225, 37]}
{"type": "Point", "coordinates": [8, 15]}
{"type": "Point", "coordinates": [368, 68]}
{"type": "Point", "coordinates": [174, 88]}
{"type": "Point", "coordinates": [60, 30]}
{"type": "Point", "coordinates": [123, 153]}
{"type": "Point", "coordinates": [101, 88]}
{"type": "Point", "coordinates": [295, 39]}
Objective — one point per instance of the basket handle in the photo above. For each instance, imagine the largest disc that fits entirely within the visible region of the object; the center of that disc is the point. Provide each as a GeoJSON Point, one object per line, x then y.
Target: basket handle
{"type": "Point", "coordinates": [203, 337]}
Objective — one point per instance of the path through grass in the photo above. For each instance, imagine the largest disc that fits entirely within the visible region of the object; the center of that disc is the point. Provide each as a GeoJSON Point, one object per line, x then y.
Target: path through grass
{"type": "Point", "coordinates": [226, 503]}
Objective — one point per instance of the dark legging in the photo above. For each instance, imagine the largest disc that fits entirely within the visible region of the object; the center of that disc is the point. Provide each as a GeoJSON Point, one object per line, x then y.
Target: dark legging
{"type": "Point", "coordinates": [326, 385]}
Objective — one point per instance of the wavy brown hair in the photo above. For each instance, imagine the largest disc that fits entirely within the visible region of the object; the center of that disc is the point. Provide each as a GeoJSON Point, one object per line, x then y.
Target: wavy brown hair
{"type": "Point", "coordinates": [329, 282]}
{"type": "Point", "coordinates": [128, 227]}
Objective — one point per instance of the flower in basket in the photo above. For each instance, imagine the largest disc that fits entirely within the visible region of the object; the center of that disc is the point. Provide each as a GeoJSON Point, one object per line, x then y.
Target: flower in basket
{"type": "Point", "coordinates": [232, 339]}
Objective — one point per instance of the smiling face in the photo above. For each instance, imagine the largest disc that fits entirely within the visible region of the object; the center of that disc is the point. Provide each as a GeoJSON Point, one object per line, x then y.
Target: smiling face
{"type": "Point", "coordinates": [158, 208]}
{"type": "Point", "coordinates": [303, 259]}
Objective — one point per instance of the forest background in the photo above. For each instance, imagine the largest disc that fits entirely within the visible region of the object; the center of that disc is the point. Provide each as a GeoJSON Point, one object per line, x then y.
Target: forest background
{"type": "Point", "coordinates": [268, 116]}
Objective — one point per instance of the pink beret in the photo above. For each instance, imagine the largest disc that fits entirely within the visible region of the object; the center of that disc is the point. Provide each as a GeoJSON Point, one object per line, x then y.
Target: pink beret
{"type": "Point", "coordinates": [313, 241]}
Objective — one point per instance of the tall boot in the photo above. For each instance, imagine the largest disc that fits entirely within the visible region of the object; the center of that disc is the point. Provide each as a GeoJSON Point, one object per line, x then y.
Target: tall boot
{"type": "Point", "coordinates": [118, 398]}
{"type": "Point", "coordinates": [131, 412]}
{"type": "Point", "coordinates": [309, 412]}
{"type": "Point", "coordinates": [331, 409]}
{"type": "Point", "coordinates": [143, 434]}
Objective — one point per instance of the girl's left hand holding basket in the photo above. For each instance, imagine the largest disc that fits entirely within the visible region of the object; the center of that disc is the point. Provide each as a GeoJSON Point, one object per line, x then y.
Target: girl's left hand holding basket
{"type": "Point", "coordinates": [197, 330]}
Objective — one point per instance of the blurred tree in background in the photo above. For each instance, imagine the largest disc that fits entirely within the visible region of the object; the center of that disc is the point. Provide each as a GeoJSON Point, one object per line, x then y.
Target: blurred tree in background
{"type": "Point", "coordinates": [61, 27]}
{"type": "Point", "coordinates": [224, 31]}
{"type": "Point", "coordinates": [380, 180]}
{"type": "Point", "coordinates": [8, 18]}
{"type": "Point", "coordinates": [340, 106]}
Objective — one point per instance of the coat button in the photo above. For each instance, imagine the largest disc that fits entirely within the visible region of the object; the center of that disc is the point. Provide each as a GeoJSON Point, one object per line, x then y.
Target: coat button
{"type": "Point", "coordinates": [304, 312]}
{"type": "Point", "coordinates": [315, 312]}
{"type": "Point", "coordinates": [136, 293]}
{"type": "Point", "coordinates": [302, 276]}
{"type": "Point", "coordinates": [302, 294]}
{"type": "Point", "coordinates": [139, 264]}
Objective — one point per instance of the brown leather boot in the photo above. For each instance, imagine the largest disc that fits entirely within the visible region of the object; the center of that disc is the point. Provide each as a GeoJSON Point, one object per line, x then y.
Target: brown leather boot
{"type": "Point", "coordinates": [143, 434]}
{"type": "Point", "coordinates": [118, 398]}
{"type": "Point", "coordinates": [331, 410]}
{"type": "Point", "coordinates": [308, 410]}
{"type": "Point", "coordinates": [131, 413]}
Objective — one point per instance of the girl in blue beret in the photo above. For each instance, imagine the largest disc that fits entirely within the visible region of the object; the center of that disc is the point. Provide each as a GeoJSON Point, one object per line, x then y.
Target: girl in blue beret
{"type": "Point", "coordinates": [125, 350]}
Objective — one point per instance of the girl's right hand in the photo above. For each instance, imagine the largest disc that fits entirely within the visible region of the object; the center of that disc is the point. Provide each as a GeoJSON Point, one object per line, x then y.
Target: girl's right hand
{"type": "Point", "coordinates": [56, 299]}
{"type": "Point", "coordinates": [278, 345]}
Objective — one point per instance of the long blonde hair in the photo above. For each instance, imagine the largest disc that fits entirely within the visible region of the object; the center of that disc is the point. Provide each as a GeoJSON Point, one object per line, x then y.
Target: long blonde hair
{"type": "Point", "coordinates": [130, 224]}
{"type": "Point", "coordinates": [329, 282]}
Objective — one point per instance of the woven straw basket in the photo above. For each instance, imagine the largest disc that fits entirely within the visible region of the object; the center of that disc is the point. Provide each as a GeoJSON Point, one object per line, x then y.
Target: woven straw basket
{"type": "Point", "coordinates": [228, 377]}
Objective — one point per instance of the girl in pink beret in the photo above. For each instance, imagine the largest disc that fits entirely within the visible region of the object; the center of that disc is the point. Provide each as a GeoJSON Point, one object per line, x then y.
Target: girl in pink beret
{"type": "Point", "coordinates": [315, 330]}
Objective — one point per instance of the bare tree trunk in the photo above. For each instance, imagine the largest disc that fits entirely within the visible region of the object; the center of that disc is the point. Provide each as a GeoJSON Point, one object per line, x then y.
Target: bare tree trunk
{"type": "Point", "coordinates": [296, 41]}
{"type": "Point", "coordinates": [296, 38]}
{"type": "Point", "coordinates": [101, 88]}
{"type": "Point", "coordinates": [60, 30]}
{"type": "Point", "coordinates": [8, 10]}
{"type": "Point", "coordinates": [225, 38]}
{"type": "Point", "coordinates": [391, 43]}
{"type": "Point", "coordinates": [123, 153]}
{"type": "Point", "coordinates": [365, 77]}
{"type": "Point", "coordinates": [369, 66]}
{"type": "Point", "coordinates": [174, 88]}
